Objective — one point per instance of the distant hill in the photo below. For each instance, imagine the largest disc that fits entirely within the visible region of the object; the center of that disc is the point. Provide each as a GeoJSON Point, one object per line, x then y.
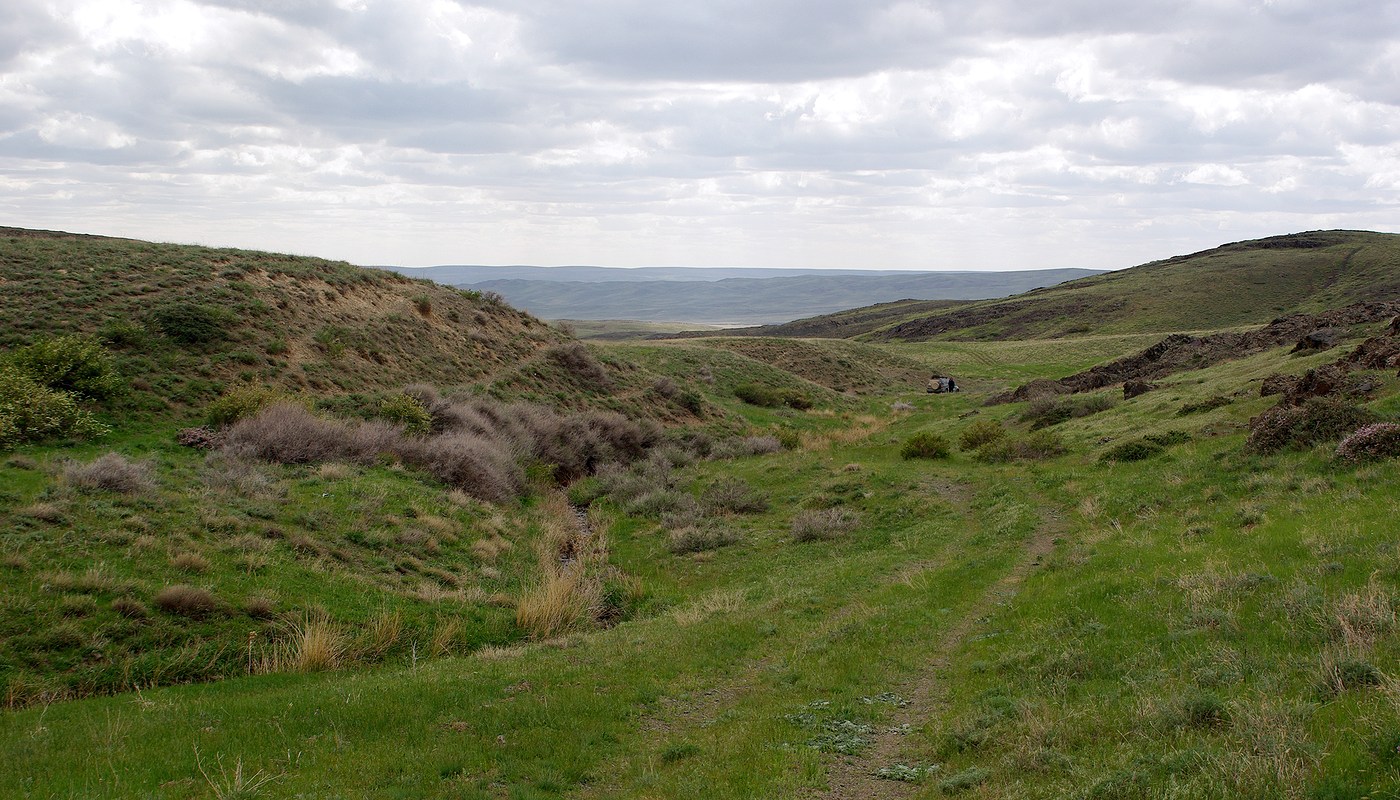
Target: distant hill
{"type": "Point", "coordinates": [465, 274]}
{"type": "Point", "coordinates": [1244, 283]}
{"type": "Point", "coordinates": [738, 301]}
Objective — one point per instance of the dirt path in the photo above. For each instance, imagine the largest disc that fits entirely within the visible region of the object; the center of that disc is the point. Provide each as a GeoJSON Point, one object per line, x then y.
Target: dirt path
{"type": "Point", "coordinates": [853, 778]}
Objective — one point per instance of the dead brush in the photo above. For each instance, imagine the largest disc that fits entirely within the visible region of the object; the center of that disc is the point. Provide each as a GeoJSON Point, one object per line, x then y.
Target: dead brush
{"type": "Point", "coordinates": [112, 472]}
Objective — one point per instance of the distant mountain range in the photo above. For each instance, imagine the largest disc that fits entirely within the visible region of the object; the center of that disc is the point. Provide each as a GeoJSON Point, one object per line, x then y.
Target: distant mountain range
{"type": "Point", "coordinates": [724, 295]}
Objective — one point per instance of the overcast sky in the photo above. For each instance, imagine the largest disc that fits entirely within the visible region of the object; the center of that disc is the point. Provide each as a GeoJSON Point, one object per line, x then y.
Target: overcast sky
{"type": "Point", "coordinates": [996, 134]}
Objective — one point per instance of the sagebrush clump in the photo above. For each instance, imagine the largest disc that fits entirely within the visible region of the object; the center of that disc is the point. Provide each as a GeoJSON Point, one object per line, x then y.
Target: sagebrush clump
{"type": "Point", "coordinates": [924, 444]}
{"type": "Point", "coordinates": [1373, 442]}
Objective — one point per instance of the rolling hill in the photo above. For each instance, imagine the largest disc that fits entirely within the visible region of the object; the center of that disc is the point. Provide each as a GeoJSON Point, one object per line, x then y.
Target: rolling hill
{"type": "Point", "coordinates": [1244, 283]}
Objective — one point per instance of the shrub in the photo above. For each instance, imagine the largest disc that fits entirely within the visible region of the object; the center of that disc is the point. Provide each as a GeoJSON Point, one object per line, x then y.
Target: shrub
{"type": "Point", "coordinates": [756, 394]}
{"type": "Point", "coordinates": [980, 432]}
{"type": "Point", "coordinates": [1135, 450]}
{"type": "Point", "coordinates": [190, 562]}
{"type": "Point", "coordinates": [200, 438]}
{"type": "Point", "coordinates": [577, 360]}
{"type": "Point", "coordinates": [423, 303]}
{"type": "Point", "coordinates": [286, 434]}
{"type": "Point", "coordinates": [1319, 419]}
{"type": "Point", "coordinates": [746, 446]}
{"type": "Point", "coordinates": [31, 412]}
{"type": "Point", "coordinates": [122, 333]}
{"type": "Point", "coordinates": [187, 601]}
{"type": "Point", "coordinates": [75, 364]}
{"type": "Point", "coordinates": [924, 444]}
{"type": "Point", "coordinates": [407, 411]}
{"type": "Point", "coordinates": [112, 472]}
{"type": "Point", "coordinates": [826, 523]}
{"type": "Point", "coordinates": [964, 780]}
{"type": "Point", "coordinates": [192, 323]}
{"type": "Point", "coordinates": [1208, 404]}
{"type": "Point", "coordinates": [242, 402]}
{"type": "Point", "coordinates": [130, 608]}
{"type": "Point", "coordinates": [1035, 445]}
{"type": "Point", "coordinates": [733, 494]}
{"type": "Point", "coordinates": [698, 538]}
{"type": "Point", "coordinates": [1052, 410]}
{"type": "Point", "coordinates": [1371, 442]}
{"type": "Point", "coordinates": [469, 463]}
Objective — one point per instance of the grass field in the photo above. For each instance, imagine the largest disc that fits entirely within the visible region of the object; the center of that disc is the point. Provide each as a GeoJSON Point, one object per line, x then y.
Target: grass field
{"type": "Point", "coordinates": [821, 618]}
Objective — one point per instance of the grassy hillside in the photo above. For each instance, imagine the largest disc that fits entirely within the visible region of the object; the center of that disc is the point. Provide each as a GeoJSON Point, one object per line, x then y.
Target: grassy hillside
{"type": "Point", "coordinates": [873, 593]}
{"type": "Point", "coordinates": [1244, 283]}
{"type": "Point", "coordinates": [189, 322]}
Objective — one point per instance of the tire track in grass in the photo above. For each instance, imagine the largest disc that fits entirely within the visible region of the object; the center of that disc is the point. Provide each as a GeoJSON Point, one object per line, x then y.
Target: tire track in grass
{"type": "Point", "coordinates": [703, 707]}
{"type": "Point", "coordinates": [853, 777]}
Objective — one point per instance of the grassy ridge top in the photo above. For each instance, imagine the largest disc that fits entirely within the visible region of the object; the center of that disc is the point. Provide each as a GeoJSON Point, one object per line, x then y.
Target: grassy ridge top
{"type": "Point", "coordinates": [1235, 284]}
{"type": "Point", "coordinates": [1243, 283]}
{"type": "Point", "coordinates": [191, 321]}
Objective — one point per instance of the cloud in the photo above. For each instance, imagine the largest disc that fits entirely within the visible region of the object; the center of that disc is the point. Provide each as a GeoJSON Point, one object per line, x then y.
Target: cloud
{"type": "Point", "coordinates": [824, 132]}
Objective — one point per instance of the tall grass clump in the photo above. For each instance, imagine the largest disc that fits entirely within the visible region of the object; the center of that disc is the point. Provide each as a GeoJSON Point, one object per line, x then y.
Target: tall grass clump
{"type": "Point", "coordinates": [560, 602]}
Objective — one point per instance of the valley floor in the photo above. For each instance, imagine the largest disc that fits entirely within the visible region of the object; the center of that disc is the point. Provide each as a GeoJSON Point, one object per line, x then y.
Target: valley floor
{"type": "Point", "coordinates": [1202, 623]}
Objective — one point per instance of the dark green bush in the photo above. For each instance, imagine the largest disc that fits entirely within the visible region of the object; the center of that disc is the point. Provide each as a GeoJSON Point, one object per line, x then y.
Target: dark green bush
{"type": "Point", "coordinates": [1044, 412]}
{"type": "Point", "coordinates": [1135, 450]}
{"type": "Point", "coordinates": [192, 323]}
{"type": "Point", "coordinates": [756, 394]}
{"type": "Point", "coordinates": [924, 444]}
{"type": "Point", "coordinates": [980, 432]}
{"type": "Point", "coordinates": [1208, 404]}
{"type": "Point", "coordinates": [1035, 445]}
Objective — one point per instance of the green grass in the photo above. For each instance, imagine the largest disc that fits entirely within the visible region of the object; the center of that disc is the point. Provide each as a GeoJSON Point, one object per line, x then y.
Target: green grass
{"type": "Point", "coordinates": [1201, 622]}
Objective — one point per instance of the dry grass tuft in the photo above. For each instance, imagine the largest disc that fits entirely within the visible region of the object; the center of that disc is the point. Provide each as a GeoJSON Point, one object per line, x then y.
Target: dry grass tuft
{"type": "Point", "coordinates": [825, 523]}
{"type": "Point", "coordinates": [561, 602]}
{"type": "Point", "coordinates": [721, 602]}
{"type": "Point", "coordinates": [51, 513]}
{"type": "Point", "coordinates": [187, 601]}
{"type": "Point", "coordinates": [190, 562]}
{"type": "Point", "coordinates": [311, 642]}
{"type": "Point", "coordinates": [1361, 618]}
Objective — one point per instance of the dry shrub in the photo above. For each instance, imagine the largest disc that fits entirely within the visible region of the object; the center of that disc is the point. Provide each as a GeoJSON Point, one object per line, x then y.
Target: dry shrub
{"type": "Point", "coordinates": [284, 433]}
{"type": "Point", "coordinates": [1319, 419]}
{"type": "Point", "coordinates": [259, 607]}
{"type": "Point", "coordinates": [576, 359]}
{"type": "Point", "coordinates": [470, 463]}
{"type": "Point", "coordinates": [699, 538]}
{"type": "Point", "coordinates": [826, 523]}
{"type": "Point", "coordinates": [739, 447]}
{"type": "Point", "coordinates": [446, 633]}
{"type": "Point", "coordinates": [720, 602]}
{"type": "Point", "coordinates": [1359, 619]}
{"type": "Point", "coordinates": [44, 512]}
{"type": "Point", "coordinates": [490, 548]}
{"type": "Point", "coordinates": [733, 495]}
{"type": "Point", "coordinates": [112, 472]}
{"type": "Point", "coordinates": [187, 601]}
{"type": "Point", "coordinates": [224, 471]}
{"type": "Point", "coordinates": [1370, 443]}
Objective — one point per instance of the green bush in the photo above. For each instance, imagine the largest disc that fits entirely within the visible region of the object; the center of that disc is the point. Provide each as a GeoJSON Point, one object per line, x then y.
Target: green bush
{"type": "Point", "coordinates": [242, 402]}
{"type": "Point", "coordinates": [75, 364]}
{"type": "Point", "coordinates": [1135, 450]}
{"type": "Point", "coordinates": [756, 394]}
{"type": "Point", "coordinates": [924, 444]}
{"type": "Point", "coordinates": [1046, 411]}
{"type": "Point", "coordinates": [122, 333]}
{"type": "Point", "coordinates": [1036, 445]}
{"type": "Point", "coordinates": [30, 411]}
{"type": "Point", "coordinates": [192, 323]}
{"type": "Point", "coordinates": [408, 412]}
{"type": "Point", "coordinates": [980, 432]}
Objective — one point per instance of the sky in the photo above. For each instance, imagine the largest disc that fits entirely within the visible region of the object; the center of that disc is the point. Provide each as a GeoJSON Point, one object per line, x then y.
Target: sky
{"type": "Point", "coordinates": [997, 134]}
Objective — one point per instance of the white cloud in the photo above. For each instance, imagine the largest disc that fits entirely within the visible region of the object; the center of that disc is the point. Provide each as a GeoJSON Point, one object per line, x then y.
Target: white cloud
{"type": "Point", "coordinates": [822, 132]}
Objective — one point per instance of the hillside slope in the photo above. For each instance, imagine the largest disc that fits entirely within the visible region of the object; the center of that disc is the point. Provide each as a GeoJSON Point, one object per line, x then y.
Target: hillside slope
{"type": "Point", "coordinates": [191, 321]}
{"type": "Point", "coordinates": [1244, 283]}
